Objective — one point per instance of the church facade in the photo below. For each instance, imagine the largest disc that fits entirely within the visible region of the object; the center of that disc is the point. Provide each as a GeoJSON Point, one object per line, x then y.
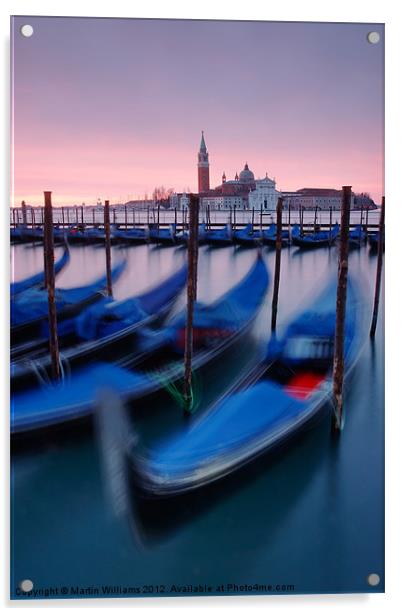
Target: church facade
{"type": "Point", "coordinates": [244, 192]}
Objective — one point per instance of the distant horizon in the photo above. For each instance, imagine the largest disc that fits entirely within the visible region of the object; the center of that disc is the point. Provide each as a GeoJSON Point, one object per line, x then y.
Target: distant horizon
{"type": "Point", "coordinates": [120, 111]}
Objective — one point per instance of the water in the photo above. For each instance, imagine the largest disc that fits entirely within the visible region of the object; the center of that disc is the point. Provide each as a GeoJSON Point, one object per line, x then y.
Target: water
{"type": "Point", "coordinates": [311, 517]}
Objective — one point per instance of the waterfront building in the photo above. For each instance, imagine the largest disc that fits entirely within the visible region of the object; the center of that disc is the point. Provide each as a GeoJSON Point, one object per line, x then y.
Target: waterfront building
{"type": "Point", "coordinates": [179, 201]}
{"type": "Point", "coordinates": [312, 198]}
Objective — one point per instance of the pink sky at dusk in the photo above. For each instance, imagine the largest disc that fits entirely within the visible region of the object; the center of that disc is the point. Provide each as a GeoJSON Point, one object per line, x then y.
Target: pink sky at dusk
{"type": "Point", "coordinates": [113, 108]}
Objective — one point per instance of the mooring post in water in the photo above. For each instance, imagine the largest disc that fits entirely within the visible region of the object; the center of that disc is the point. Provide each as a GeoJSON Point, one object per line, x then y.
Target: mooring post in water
{"type": "Point", "coordinates": [24, 218]}
{"type": "Point", "coordinates": [191, 296]}
{"type": "Point", "coordinates": [278, 262]}
{"type": "Point", "coordinates": [109, 288]}
{"type": "Point", "coordinates": [33, 222]}
{"type": "Point", "coordinates": [331, 219]}
{"type": "Point", "coordinates": [68, 215]}
{"type": "Point", "coordinates": [76, 216]}
{"type": "Point", "coordinates": [82, 216]}
{"type": "Point", "coordinates": [366, 221]}
{"type": "Point", "coordinates": [62, 216]}
{"type": "Point", "coordinates": [49, 269]}
{"type": "Point", "coordinates": [158, 217]}
{"type": "Point", "coordinates": [93, 217]}
{"type": "Point", "coordinates": [380, 250]}
{"type": "Point", "coordinates": [338, 364]}
{"type": "Point", "coordinates": [126, 217]}
{"type": "Point", "coordinates": [315, 220]}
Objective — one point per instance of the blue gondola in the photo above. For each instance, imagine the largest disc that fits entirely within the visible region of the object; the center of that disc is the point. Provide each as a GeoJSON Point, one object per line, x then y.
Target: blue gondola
{"type": "Point", "coordinates": [104, 330]}
{"type": "Point", "coordinates": [270, 236]}
{"type": "Point", "coordinates": [373, 239]}
{"type": "Point", "coordinates": [183, 236]}
{"type": "Point", "coordinates": [357, 237]}
{"type": "Point", "coordinates": [273, 403]}
{"type": "Point", "coordinates": [78, 234]}
{"type": "Point", "coordinates": [247, 237]}
{"type": "Point", "coordinates": [220, 237]}
{"type": "Point", "coordinates": [218, 328]}
{"type": "Point", "coordinates": [25, 234]}
{"type": "Point", "coordinates": [129, 236]}
{"type": "Point", "coordinates": [37, 280]}
{"type": "Point", "coordinates": [164, 236]}
{"type": "Point", "coordinates": [314, 240]}
{"type": "Point", "coordinates": [29, 310]}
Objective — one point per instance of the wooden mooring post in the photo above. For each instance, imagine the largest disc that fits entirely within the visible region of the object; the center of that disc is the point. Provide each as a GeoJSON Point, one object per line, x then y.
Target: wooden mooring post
{"type": "Point", "coordinates": [33, 222]}
{"type": "Point", "coordinates": [380, 250]}
{"type": "Point", "coordinates": [191, 296]}
{"type": "Point", "coordinates": [338, 364]}
{"type": "Point", "coordinates": [277, 266]}
{"type": "Point", "coordinates": [24, 217]}
{"type": "Point", "coordinates": [62, 216]}
{"type": "Point", "coordinates": [50, 283]}
{"type": "Point", "coordinates": [109, 288]}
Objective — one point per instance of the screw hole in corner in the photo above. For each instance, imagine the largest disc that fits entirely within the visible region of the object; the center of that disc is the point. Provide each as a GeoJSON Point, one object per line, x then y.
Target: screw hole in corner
{"type": "Point", "coordinates": [373, 579]}
{"type": "Point", "coordinates": [373, 38]}
{"type": "Point", "coordinates": [26, 585]}
{"type": "Point", "coordinates": [26, 30]}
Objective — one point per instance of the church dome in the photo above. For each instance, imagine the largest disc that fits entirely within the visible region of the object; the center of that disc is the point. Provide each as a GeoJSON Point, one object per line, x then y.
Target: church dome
{"type": "Point", "coordinates": [246, 176]}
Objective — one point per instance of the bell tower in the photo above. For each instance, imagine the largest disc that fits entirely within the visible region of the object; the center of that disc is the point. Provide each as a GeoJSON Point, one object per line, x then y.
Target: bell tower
{"type": "Point", "coordinates": [203, 167]}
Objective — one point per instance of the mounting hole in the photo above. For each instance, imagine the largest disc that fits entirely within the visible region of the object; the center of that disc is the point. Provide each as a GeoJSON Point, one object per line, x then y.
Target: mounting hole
{"type": "Point", "coordinates": [27, 30]}
{"type": "Point", "coordinates": [373, 37]}
{"type": "Point", "coordinates": [26, 585]}
{"type": "Point", "coordinates": [373, 579]}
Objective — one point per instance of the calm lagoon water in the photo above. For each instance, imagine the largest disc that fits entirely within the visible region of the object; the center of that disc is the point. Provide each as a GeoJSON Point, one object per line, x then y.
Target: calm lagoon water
{"type": "Point", "coordinates": [311, 517]}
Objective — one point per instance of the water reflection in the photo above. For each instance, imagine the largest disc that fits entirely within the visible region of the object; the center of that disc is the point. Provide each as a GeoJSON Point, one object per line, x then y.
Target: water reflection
{"type": "Point", "coordinates": [311, 515]}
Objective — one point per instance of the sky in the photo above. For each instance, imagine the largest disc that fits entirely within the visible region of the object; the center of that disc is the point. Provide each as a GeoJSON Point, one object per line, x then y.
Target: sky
{"type": "Point", "coordinates": [111, 108]}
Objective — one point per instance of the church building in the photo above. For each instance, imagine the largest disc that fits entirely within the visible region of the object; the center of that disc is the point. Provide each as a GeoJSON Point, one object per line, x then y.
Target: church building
{"type": "Point", "coordinates": [244, 192]}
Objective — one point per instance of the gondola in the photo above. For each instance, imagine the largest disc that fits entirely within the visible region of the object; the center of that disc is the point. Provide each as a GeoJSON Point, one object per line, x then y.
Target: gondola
{"type": "Point", "coordinates": [37, 280]}
{"type": "Point", "coordinates": [270, 236]}
{"type": "Point", "coordinates": [373, 239]}
{"type": "Point", "coordinates": [105, 330]}
{"type": "Point", "coordinates": [78, 234]}
{"type": "Point", "coordinates": [183, 236]}
{"type": "Point", "coordinates": [273, 403]}
{"type": "Point", "coordinates": [247, 237]}
{"type": "Point", "coordinates": [220, 237]}
{"type": "Point", "coordinates": [136, 235]}
{"type": "Point", "coordinates": [29, 310]}
{"type": "Point", "coordinates": [164, 236]}
{"type": "Point", "coordinates": [356, 237]}
{"type": "Point", "coordinates": [219, 329]}
{"type": "Point", "coordinates": [23, 234]}
{"type": "Point", "coordinates": [316, 239]}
